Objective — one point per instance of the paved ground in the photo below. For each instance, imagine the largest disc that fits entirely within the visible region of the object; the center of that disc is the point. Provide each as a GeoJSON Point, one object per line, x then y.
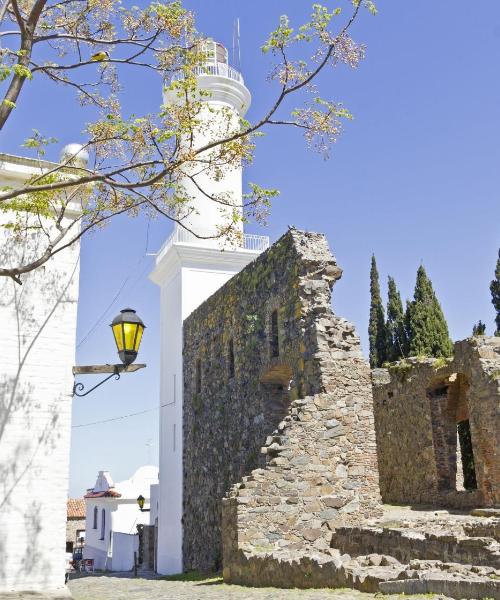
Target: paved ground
{"type": "Point", "coordinates": [102, 587]}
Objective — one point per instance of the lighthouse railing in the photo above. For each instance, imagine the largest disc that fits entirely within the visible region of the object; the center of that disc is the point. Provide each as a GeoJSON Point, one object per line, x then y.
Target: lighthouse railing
{"type": "Point", "coordinates": [249, 241]}
{"type": "Point", "coordinates": [220, 69]}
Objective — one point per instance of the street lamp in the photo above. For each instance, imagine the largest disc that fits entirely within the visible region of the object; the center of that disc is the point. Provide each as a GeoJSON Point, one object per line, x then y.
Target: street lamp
{"type": "Point", "coordinates": [127, 330]}
{"type": "Point", "coordinates": [140, 502]}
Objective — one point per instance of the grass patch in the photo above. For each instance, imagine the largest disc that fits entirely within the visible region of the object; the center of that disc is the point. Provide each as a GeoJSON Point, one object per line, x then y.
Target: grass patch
{"type": "Point", "coordinates": [441, 362]}
{"type": "Point", "coordinates": [382, 596]}
{"type": "Point", "coordinates": [401, 369]}
{"type": "Point", "coordinates": [194, 576]}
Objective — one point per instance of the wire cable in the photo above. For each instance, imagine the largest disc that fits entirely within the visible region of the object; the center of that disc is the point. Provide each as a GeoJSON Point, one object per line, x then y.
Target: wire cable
{"type": "Point", "coordinates": [135, 414]}
{"type": "Point", "coordinates": [142, 412]}
{"type": "Point", "coordinates": [120, 290]}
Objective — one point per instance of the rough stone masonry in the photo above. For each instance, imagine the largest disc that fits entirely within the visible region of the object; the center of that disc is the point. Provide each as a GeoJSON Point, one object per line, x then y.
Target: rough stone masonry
{"type": "Point", "coordinates": [278, 415]}
{"type": "Point", "coordinates": [419, 406]}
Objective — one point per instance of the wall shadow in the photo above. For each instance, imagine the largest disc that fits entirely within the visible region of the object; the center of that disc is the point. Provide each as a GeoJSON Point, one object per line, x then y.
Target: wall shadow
{"type": "Point", "coordinates": [32, 419]}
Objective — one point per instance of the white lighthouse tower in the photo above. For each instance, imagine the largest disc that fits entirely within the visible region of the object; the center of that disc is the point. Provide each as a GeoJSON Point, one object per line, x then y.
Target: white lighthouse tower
{"type": "Point", "coordinates": [189, 269]}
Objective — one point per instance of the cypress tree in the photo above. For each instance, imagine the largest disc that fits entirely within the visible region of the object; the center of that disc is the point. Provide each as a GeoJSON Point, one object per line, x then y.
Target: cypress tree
{"type": "Point", "coordinates": [495, 294]}
{"type": "Point", "coordinates": [395, 326]}
{"type": "Point", "coordinates": [479, 328]}
{"type": "Point", "coordinates": [426, 326]}
{"type": "Point", "coordinates": [376, 326]}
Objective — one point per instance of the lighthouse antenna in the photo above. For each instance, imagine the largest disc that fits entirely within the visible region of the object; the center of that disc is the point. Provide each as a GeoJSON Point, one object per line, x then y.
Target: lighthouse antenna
{"type": "Point", "coordinates": [236, 44]}
{"type": "Point", "coordinates": [238, 41]}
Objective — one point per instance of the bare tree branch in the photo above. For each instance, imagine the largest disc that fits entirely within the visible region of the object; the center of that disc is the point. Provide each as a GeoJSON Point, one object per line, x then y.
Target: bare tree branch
{"type": "Point", "coordinates": [150, 152]}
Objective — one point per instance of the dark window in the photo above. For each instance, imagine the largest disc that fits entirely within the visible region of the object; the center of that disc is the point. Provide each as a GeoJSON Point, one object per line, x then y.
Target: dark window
{"type": "Point", "coordinates": [69, 547]}
{"type": "Point", "coordinates": [468, 467]}
{"type": "Point", "coordinates": [103, 523]}
{"type": "Point", "coordinates": [94, 526]}
{"type": "Point", "coordinates": [274, 341]}
{"type": "Point", "coordinates": [198, 377]}
{"type": "Point", "coordinates": [231, 358]}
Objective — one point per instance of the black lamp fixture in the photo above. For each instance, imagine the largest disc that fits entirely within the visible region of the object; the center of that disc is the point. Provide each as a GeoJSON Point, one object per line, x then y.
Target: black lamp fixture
{"type": "Point", "coordinates": [140, 502]}
{"type": "Point", "coordinates": [127, 330]}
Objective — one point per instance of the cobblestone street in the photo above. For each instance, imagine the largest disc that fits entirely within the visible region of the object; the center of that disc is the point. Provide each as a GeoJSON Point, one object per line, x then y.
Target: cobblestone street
{"type": "Point", "coordinates": [126, 588]}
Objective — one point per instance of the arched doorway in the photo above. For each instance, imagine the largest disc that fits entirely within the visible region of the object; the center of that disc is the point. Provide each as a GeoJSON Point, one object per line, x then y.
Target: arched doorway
{"type": "Point", "coordinates": [453, 443]}
{"type": "Point", "coordinates": [275, 384]}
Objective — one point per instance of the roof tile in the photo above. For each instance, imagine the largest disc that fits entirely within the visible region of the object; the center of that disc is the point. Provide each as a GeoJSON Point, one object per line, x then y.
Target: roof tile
{"type": "Point", "coordinates": [76, 508]}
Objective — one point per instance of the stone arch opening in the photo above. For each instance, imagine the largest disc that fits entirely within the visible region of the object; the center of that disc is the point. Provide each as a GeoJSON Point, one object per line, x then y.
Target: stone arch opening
{"type": "Point", "coordinates": [275, 385]}
{"type": "Point", "coordinates": [453, 441]}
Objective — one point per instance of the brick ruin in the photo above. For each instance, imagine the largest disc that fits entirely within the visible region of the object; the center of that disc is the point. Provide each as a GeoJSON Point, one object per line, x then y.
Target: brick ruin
{"type": "Point", "coordinates": [438, 427]}
{"type": "Point", "coordinates": [283, 426]}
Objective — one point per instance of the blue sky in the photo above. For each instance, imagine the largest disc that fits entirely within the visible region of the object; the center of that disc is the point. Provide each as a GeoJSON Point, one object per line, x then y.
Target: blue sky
{"type": "Point", "coordinates": [414, 179]}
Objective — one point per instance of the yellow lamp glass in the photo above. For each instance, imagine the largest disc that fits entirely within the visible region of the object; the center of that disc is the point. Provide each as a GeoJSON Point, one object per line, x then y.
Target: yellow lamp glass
{"type": "Point", "coordinates": [118, 333]}
{"type": "Point", "coordinates": [130, 331]}
{"type": "Point", "coordinates": [140, 331]}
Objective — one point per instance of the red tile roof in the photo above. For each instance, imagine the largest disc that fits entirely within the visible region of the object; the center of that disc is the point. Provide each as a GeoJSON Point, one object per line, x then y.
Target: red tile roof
{"type": "Point", "coordinates": [76, 508]}
{"type": "Point", "coordinates": [107, 494]}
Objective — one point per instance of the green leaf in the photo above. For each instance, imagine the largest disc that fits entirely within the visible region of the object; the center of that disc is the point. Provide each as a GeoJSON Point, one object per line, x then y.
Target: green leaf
{"type": "Point", "coordinates": [4, 72]}
{"type": "Point", "coordinates": [22, 71]}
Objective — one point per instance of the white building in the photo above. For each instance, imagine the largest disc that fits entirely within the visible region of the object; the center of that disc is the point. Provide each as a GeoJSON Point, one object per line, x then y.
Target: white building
{"type": "Point", "coordinates": [38, 322]}
{"type": "Point", "coordinates": [112, 517]}
{"type": "Point", "coordinates": [188, 270]}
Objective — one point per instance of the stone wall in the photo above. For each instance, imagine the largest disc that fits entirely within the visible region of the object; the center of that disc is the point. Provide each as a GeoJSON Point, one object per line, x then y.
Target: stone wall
{"type": "Point", "coordinates": [146, 555]}
{"type": "Point", "coordinates": [418, 403]}
{"type": "Point", "coordinates": [277, 399]}
{"type": "Point", "coordinates": [72, 527]}
{"type": "Point", "coordinates": [409, 545]}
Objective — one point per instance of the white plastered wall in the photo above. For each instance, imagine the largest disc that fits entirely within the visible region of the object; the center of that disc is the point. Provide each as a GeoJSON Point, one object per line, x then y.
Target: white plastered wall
{"type": "Point", "coordinates": [98, 546]}
{"type": "Point", "coordinates": [115, 549]}
{"type": "Point", "coordinates": [226, 102]}
{"type": "Point", "coordinates": [38, 323]}
{"type": "Point", "coordinates": [188, 272]}
{"type": "Point", "coordinates": [188, 275]}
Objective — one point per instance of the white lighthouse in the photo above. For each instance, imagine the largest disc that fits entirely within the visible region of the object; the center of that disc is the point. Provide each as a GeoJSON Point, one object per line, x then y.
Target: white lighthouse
{"type": "Point", "coordinates": [189, 269]}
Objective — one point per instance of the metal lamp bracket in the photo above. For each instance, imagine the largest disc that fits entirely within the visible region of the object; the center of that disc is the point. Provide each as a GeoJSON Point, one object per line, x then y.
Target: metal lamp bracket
{"type": "Point", "coordinates": [115, 371]}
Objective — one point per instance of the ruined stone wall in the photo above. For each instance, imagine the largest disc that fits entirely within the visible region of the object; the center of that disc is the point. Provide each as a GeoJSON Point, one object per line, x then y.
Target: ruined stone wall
{"type": "Point", "coordinates": [418, 403]}
{"type": "Point", "coordinates": [291, 419]}
{"type": "Point", "coordinates": [403, 424]}
{"type": "Point", "coordinates": [410, 545]}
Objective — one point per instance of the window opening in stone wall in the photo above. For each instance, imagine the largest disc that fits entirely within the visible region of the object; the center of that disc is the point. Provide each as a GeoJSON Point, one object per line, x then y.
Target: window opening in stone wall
{"type": "Point", "coordinates": [231, 358]}
{"type": "Point", "coordinates": [275, 401]}
{"type": "Point", "coordinates": [467, 455]}
{"type": "Point", "coordinates": [198, 377]}
{"type": "Point", "coordinates": [95, 518]}
{"type": "Point", "coordinates": [274, 341]}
